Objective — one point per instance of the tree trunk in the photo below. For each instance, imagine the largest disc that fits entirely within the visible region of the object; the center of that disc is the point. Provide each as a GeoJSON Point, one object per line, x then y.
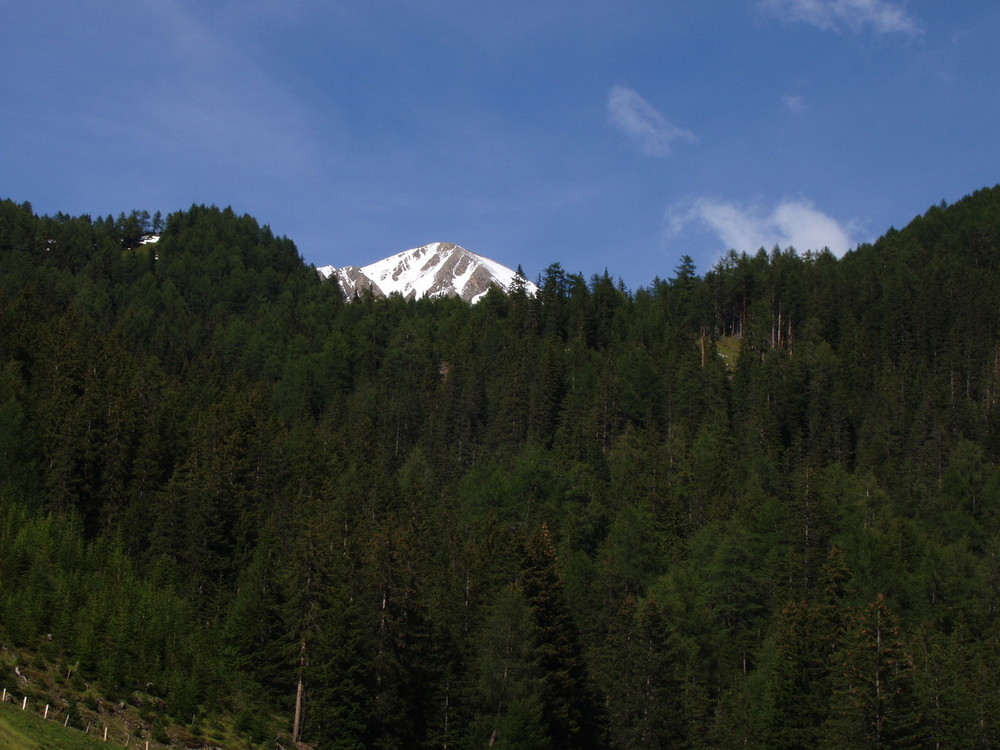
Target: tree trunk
{"type": "Point", "coordinates": [297, 721]}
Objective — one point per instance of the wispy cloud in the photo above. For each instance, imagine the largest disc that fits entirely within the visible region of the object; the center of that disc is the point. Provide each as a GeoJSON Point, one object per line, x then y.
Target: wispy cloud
{"type": "Point", "coordinates": [642, 123]}
{"type": "Point", "coordinates": [794, 104]}
{"type": "Point", "coordinates": [791, 223]}
{"type": "Point", "coordinates": [881, 16]}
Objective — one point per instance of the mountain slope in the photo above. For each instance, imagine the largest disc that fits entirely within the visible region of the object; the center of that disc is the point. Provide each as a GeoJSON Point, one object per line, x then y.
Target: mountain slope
{"type": "Point", "coordinates": [440, 269]}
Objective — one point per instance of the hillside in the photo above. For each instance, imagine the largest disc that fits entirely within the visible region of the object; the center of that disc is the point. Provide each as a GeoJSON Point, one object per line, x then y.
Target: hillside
{"type": "Point", "coordinates": [756, 507]}
{"type": "Point", "coordinates": [23, 730]}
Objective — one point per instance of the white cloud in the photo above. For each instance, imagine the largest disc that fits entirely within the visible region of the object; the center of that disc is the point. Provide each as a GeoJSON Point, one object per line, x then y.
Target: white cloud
{"type": "Point", "coordinates": [792, 223]}
{"type": "Point", "coordinates": [881, 16]}
{"type": "Point", "coordinates": [794, 104]}
{"type": "Point", "coordinates": [639, 120]}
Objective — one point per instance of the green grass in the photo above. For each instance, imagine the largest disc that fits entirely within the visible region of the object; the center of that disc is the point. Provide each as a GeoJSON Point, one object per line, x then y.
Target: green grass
{"type": "Point", "coordinates": [48, 681]}
{"type": "Point", "coordinates": [728, 348]}
{"type": "Point", "coordinates": [26, 730]}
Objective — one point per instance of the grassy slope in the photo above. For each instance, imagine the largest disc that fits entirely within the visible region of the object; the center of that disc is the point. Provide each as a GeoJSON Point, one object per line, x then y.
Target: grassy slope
{"type": "Point", "coordinates": [25, 730]}
{"type": "Point", "coordinates": [728, 348]}
{"type": "Point", "coordinates": [139, 717]}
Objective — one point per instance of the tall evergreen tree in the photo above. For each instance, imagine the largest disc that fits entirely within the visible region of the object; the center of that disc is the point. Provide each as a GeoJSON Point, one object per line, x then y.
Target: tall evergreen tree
{"type": "Point", "coordinates": [570, 711]}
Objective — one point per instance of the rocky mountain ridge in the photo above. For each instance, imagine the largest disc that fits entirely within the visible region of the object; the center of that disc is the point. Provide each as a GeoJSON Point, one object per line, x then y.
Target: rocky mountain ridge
{"type": "Point", "coordinates": [439, 269]}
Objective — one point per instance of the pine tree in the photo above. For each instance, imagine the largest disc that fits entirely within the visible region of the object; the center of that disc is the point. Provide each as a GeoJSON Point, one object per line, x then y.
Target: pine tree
{"type": "Point", "coordinates": [505, 677]}
{"type": "Point", "coordinates": [640, 678]}
{"type": "Point", "coordinates": [807, 640]}
{"type": "Point", "coordinates": [570, 711]}
{"type": "Point", "coordinates": [873, 704]}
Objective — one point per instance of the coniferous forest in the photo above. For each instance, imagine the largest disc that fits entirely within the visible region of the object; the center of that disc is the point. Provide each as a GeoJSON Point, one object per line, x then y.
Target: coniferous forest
{"type": "Point", "coordinates": [751, 506]}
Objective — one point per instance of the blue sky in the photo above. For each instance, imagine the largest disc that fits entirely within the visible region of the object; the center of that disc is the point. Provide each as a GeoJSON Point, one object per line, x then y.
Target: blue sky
{"type": "Point", "coordinates": [602, 135]}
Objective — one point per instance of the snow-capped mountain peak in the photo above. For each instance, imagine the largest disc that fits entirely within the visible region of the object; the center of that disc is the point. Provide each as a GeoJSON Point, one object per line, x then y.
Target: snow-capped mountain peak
{"type": "Point", "coordinates": [440, 269]}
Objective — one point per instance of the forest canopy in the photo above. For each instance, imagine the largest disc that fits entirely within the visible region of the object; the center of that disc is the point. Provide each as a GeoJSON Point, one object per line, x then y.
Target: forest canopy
{"type": "Point", "coordinates": [757, 507]}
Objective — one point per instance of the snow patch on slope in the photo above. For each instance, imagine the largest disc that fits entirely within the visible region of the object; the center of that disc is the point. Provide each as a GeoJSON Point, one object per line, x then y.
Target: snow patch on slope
{"type": "Point", "coordinates": [440, 269]}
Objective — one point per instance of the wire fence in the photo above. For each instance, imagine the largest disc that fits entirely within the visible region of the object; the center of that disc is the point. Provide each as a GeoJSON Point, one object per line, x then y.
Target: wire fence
{"type": "Point", "coordinates": [95, 728]}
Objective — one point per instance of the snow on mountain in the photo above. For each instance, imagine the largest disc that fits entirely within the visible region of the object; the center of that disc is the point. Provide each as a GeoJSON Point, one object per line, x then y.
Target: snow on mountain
{"type": "Point", "coordinates": [440, 269]}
